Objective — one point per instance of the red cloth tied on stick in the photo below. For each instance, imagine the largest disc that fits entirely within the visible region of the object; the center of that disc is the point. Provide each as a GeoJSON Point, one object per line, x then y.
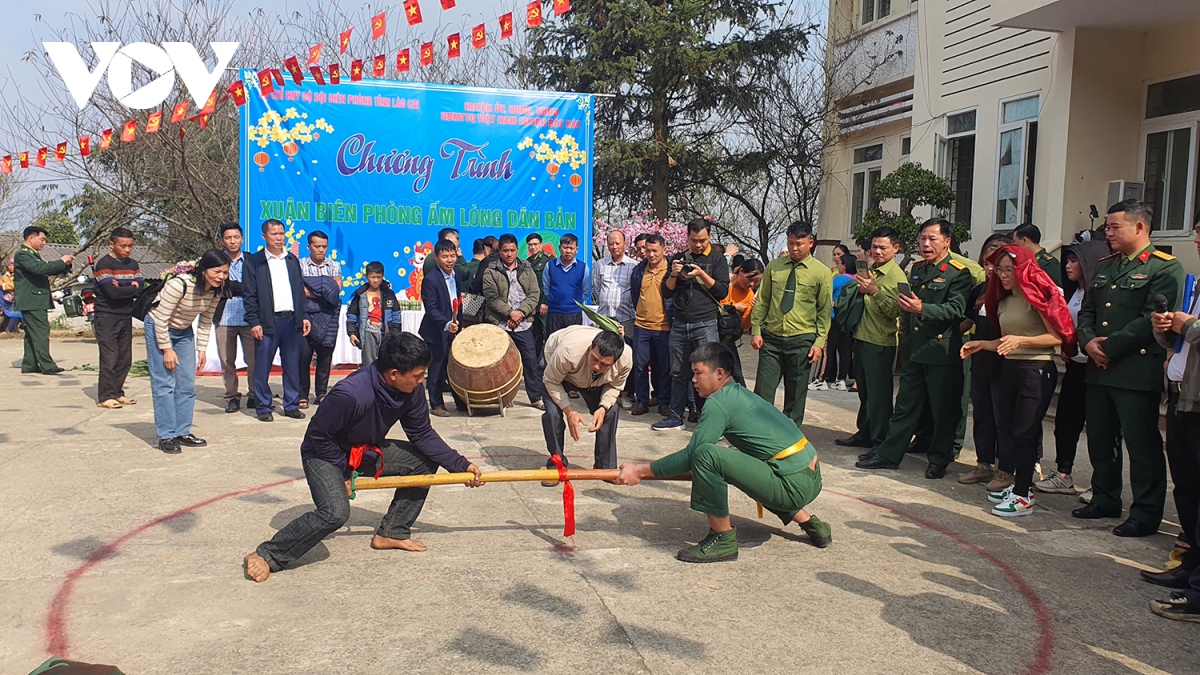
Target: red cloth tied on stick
{"type": "Point", "coordinates": [356, 455]}
{"type": "Point", "coordinates": [568, 497]}
{"type": "Point", "coordinates": [1039, 290]}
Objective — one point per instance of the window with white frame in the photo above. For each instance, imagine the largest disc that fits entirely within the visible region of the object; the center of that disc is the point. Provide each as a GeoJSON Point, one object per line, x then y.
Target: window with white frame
{"type": "Point", "coordinates": [1016, 161]}
{"type": "Point", "coordinates": [874, 10]}
{"type": "Point", "coordinates": [956, 163]}
{"type": "Point", "coordinates": [868, 169]}
{"type": "Point", "coordinates": [1169, 155]}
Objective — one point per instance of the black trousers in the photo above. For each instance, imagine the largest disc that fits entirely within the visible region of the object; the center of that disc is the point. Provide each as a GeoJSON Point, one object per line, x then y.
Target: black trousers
{"type": "Point", "coordinates": [309, 346]}
{"type": "Point", "coordinates": [114, 336]}
{"type": "Point", "coordinates": [529, 363]}
{"type": "Point", "coordinates": [839, 356]}
{"type": "Point", "coordinates": [1183, 458]}
{"type": "Point", "coordinates": [554, 427]}
{"type": "Point", "coordinates": [1026, 388]}
{"type": "Point", "coordinates": [989, 435]}
{"type": "Point", "coordinates": [1070, 416]}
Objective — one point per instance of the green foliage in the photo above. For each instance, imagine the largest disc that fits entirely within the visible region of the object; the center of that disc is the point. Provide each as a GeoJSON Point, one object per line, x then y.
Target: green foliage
{"type": "Point", "coordinates": [913, 186]}
{"type": "Point", "coordinates": [59, 228]}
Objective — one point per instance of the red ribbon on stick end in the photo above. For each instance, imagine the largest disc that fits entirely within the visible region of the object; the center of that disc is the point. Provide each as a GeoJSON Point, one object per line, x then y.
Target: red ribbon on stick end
{"type": "Point", "coordinates": [568, 497]}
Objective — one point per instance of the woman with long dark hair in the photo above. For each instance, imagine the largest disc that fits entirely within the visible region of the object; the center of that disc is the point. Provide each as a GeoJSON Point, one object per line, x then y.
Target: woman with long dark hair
{"type": "Point", "coordinates": [1033, 319]}
{"type": "Point", "coordinates": [174, 352]}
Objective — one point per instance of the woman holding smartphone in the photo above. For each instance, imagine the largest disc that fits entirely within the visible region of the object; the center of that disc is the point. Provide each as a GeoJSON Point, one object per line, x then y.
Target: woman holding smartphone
{"type": "Point", "coordinates": [1032, 316]}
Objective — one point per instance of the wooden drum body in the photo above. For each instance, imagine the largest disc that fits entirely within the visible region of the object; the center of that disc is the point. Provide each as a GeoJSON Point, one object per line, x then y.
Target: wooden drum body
{"type": "Point", "coordinates": [484, 368]}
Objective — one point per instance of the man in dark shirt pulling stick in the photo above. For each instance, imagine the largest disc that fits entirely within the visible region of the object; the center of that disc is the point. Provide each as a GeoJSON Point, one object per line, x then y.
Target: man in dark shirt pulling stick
{"type": "Point", "coordinates": [352, 424]}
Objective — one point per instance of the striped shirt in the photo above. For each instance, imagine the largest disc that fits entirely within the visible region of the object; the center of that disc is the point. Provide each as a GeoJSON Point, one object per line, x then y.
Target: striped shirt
{"type": "Point", "coordinates": [611, 287]}
{"type": "Point", "coordinates": [235, 308]}
{"type": "Point", "coordinates": [179, 303]}
{"type": "Point", "coordinates": [327, 268]}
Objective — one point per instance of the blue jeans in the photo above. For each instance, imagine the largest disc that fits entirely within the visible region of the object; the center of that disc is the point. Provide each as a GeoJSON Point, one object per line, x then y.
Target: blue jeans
{"type": "Point", "coordinates": [287, 341]}
{"type": "Point", "coordinates": [685, 337]}
{"type": "Point", "coordinates": [650, 346]}
{"type": "Point", "coordinates": [173, 391]}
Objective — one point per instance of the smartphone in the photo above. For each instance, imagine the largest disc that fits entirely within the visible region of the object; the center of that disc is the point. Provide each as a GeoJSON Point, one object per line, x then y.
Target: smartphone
{"type": "Point", "coordinates": [905, 289]}
{"type": "Point", "coordinates": [862, 267]}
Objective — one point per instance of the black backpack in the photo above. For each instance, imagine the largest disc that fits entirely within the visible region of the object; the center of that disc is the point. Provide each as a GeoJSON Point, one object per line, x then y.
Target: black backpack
{"type": "Point", "coordinates": [147, 298]}
{"type": "Point", "coordinates": [729, 325]}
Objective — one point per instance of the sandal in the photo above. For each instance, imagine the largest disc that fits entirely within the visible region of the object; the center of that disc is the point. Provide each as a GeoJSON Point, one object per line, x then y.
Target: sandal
{"type": "Point", "coordinates": [304, 403]}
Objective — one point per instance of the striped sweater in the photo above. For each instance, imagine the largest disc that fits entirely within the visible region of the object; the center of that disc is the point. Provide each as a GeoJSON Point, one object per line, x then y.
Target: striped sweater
{"type": "Point", "coordinates": [118, 282]}
{"type": "Point", "coordinates": [179, 303]}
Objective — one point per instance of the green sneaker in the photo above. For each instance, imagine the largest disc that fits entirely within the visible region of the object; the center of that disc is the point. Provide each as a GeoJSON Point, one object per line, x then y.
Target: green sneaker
{"type": "Point", "coordinates": [818, 531]}
{"type": "Point", "coordinates": [716, 547]}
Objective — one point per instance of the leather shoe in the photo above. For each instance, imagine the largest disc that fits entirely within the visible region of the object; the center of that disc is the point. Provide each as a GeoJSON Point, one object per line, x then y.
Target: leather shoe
{"type": "Point", "coordinates": [1132, 528]}
{"type": "Point", "coordinates": [190, 440]}
{"type": "Point", "coordinates": [53, 371]}
{"type": "Point", "coordinates": [876, 462]}
{"type": "Point", "coordinates": [169, 445]}
{"type": "Point", "coordinates": [294, 414]}
{"type": "Point", "coordinates": [639, 409]}
{"type": "Point", "coordinates": [266, 417]}
{"type": "Point", "coordinates": [664, 410]}
{"type": "Point", "coordinates": [852, 442]}
{"type": "Point", "coordinates": [1093, 512]}
{"type": "Point", "coordinates": [232, 405]}
{"type": "Point", "coordinates": [867, 455]}
{"type": "Point", "coordinates": [1176, 578]}
{"type": "Point", "coordinates": [935, 471]}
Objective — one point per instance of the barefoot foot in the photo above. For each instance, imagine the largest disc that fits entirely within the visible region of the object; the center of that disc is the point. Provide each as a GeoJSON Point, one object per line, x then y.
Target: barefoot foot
{"type": "Point", "coordinates": [381, 543]}
{"type": "Point", "coordinates": [257, 569]}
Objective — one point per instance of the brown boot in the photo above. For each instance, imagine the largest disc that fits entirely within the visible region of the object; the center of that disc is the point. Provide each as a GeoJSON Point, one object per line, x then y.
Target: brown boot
{"type": "Point", "coordinates": [982, 473]}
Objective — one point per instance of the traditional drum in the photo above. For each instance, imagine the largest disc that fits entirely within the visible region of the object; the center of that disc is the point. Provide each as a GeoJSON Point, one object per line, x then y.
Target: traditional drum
{"type": "Point", "coordinates": [484, 368]}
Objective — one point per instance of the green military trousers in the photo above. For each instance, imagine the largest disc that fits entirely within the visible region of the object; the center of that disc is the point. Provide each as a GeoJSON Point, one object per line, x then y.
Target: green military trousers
{"type": "Point", "coordinates": [1111, 413]}
{"type": "Point", "coordinates": [874, 368]}
{"type": "Point", "coordinates": [716, 467]}
{"type": "Point", "coordinates": [940, 387]}
{"type": "Point", "coordinates": [785, 358]}
{"type": "Point", "coordinates": [925, 428]}
{"type": "Point", "coordinates": [37, 342]}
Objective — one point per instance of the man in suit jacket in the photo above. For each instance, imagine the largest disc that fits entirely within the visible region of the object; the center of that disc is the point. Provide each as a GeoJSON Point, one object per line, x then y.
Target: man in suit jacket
{"type": "Point", "coordinates": [441, 294]}
{"type": "Point", "coordinates": [32, 275]}
{"type": "Point", "coordinates": [273, 290]}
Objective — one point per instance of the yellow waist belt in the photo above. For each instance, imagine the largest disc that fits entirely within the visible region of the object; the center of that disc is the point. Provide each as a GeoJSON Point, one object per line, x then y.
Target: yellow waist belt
{"type": "Point", "coordinates": [798, 446]}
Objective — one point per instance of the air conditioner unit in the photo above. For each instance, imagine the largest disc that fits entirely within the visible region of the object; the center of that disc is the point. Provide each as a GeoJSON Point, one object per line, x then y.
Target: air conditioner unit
{"type": "Point", "coordinates": [1120, 190]}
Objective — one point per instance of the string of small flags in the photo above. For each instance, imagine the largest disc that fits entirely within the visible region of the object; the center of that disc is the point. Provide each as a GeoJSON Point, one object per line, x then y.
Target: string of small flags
{"type": "Point", "coordinates": [271, 79]}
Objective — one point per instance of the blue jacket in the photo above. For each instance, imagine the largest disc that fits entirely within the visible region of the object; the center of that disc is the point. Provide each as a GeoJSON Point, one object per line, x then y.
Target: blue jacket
{"type": "Point", "coordinates": [439, 306]}
{"type": "Point", "coordinates": [564, 287]}
{"type": "Point", "coordinates": [260, 298]}
{"type": "Point", "coordinates": [357, 310]}
{"type": "Point", "coordinates": [360, 410]}
{"type": "Point", "coordinates": [323, 310]}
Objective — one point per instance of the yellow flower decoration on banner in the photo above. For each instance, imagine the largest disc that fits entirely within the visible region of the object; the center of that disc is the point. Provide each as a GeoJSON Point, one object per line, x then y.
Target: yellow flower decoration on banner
{"type": "Point", "coordinates": [562, 150]}
{"type": "Point", "coordinates": [271, 128]}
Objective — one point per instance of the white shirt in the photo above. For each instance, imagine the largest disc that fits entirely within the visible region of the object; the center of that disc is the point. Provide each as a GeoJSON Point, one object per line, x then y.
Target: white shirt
{"type": "Point", "coordinates": [281, 283]}
{"type": "Point", "coordinates": [1179, 359]}
{"type": "Point", "coordinates": [452, 287]}
{"type": "Point", "coordinates": [611, 288]}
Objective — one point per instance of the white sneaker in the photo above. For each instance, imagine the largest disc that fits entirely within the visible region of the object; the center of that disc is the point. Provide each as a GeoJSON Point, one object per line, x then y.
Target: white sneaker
{"type": "Point", "coordinates": [840, 385]}
{"type": "Point", "coordinates": [1001, 496]}
{"type": "Point", "coordinates": [1056, 484]}
{"type": "Point", "coordinates": [1014, 506]}
{"type": "Point", "coordinates": [819, 385]}
{"type": "Point", "coordinates": [1086, 497]}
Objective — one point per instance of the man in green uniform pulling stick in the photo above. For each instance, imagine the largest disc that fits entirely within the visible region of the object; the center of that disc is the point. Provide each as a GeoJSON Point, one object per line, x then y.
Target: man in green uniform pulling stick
{"type": "Point", "coordinates": [771, 460]}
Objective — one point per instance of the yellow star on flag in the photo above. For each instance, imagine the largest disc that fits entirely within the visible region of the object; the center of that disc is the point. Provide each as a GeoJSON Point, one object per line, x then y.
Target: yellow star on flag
{"type": "Point", "coordinates": [357, 70]}
{"type": "Point", "coordinates": [412, 10]}
{"type": "Point", "coordinates": [453, 44]}
{"type": "Point", "coordinates": [505, 25]}
{"type": "Point", "coordinates": [403, 59]}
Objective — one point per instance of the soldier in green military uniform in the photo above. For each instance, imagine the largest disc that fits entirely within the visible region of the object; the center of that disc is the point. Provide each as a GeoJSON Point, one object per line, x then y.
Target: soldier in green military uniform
{"type": "Point", "coordinates": [1029, 236]}
{"type": "Point", "coordinates": [790, 321]}
{"type": "Point", "coordinates": [771, 460]}
{"type": "Point", "coordinates": [537, 256]}
{"type": "Point", "coordinates": [875, 340]}
{"type": "Point", "coordinates": [1125, 372]}
{"type": "Point", "coordinates": [930, 340]}
{"type": "Point", "coordinates": [32, 298]}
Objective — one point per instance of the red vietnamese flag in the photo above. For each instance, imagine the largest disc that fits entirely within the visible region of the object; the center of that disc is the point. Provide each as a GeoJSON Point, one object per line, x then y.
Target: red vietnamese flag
{"type": "Point", "coordinates": [447, 4]}
{"type": "Point", "coordinates": [293, 66]}
{"type": "Point", "coordinates": [378, 25]}
{"type": "Point", "coordinates": [335, 73]}
{"type": "Point", "coordinates": [237, 90]}
{"type": "Point", "coordinates": [210, 104]}
{"type": "Point", "coordinates": [452, 43]}
{"type": "Point", "coordinates": [265, 86]}
{"type": "Point", "coordinates": [561, 6]}
{"type": "Point", "coordinates": [154, 122]}
{"type": "Point", "coordinates": [106, 139]}
{"type": "Point", "coordinates": [60, 151]}
{"type": "Point", "coordinates": [202, 118]}
{"type": "Point", "coordinates": [506, 26]}
{"type": "Point", "coordinates": [344, 41]}
{"type": "Point", "coordinates": [479, 37]}
{"type": "Point", "coordinates": [533, 13]}
{"type": "Point", "coordinates": [402, 61]}
{"type": "Point", "coordinates": [85, 146]}
{"type": "Point", "coordinates": [412, 12]}
{"type": "Point", "coordinates": [278, 77]}
{"type": "Point", "coordinates": [314, 54]}
{"type": "Point", "coordinates": [317, 74]}
{"type": "Point", "coordinates": [379, 68]}
{"type": "Point", "coordinates": [179, 114]}
{"type": "Point", "coordinates": [356, 70]}
{"type": "Point", "coordinates": [427, 54]}
{"type": "Point", "coordinates": [129, 132]}
{"type": "Point", "coordinates": [23, 157]}
{"type": "Point", "coordinates": [6, 165]}
{"type": "Point", "coordinates": [41, 156]}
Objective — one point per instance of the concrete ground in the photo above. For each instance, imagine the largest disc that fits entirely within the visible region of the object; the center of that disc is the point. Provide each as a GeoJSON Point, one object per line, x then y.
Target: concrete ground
{"type": "Point", "coordinates": [118, 554]}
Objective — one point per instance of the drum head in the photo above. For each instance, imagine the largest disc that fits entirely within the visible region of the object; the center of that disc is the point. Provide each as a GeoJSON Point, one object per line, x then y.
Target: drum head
{"type": "Point", "coordinates": [480, 346]}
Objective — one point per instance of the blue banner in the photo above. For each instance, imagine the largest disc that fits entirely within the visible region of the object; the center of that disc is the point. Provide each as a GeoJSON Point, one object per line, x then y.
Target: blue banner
{"type": "Point", "coordinates": [380, 166]}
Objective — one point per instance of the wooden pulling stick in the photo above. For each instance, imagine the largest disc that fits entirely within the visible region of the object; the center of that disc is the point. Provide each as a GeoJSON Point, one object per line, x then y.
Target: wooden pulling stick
{"type": "Point", "coordinates": [427, 480]}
